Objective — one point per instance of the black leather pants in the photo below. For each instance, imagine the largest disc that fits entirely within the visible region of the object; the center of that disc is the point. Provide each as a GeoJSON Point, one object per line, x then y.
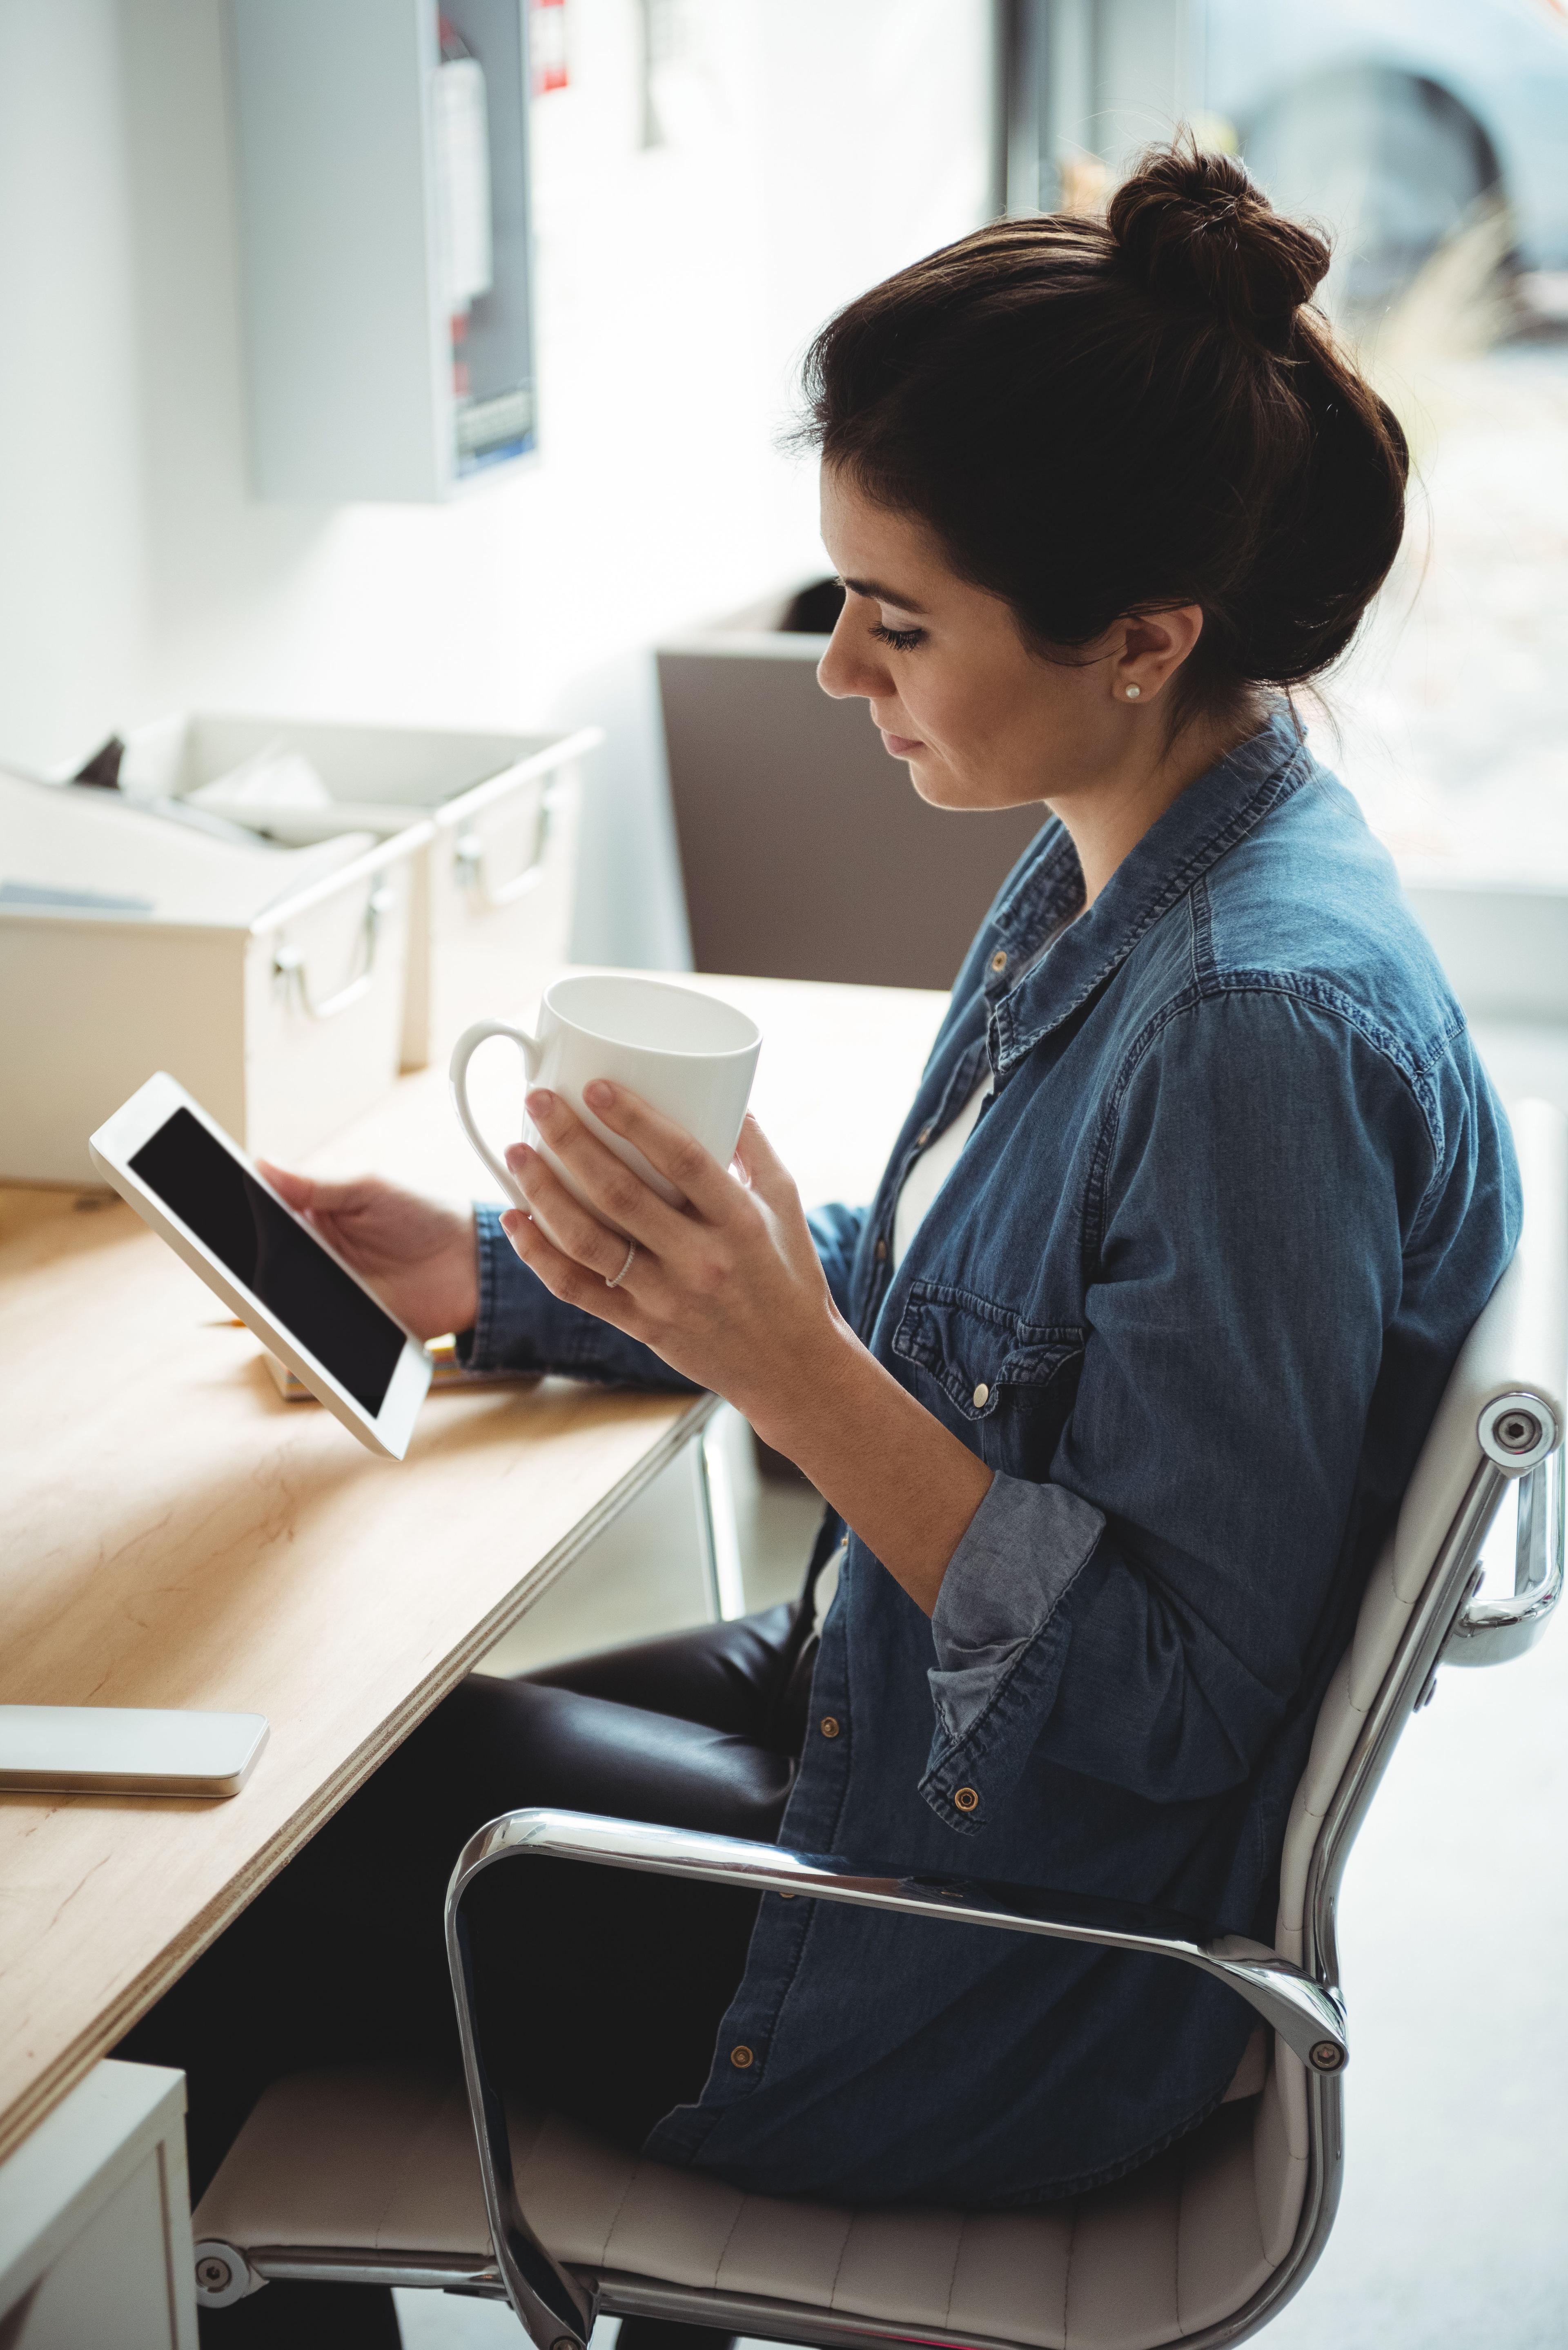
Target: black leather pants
{"type": "Point", "coordinates": [599, 1991]}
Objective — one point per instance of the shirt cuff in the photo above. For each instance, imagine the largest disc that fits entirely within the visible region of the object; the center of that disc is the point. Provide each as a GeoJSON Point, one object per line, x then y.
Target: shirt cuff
{"type": "Point", "coordinates": [481, 1348]}
{"type": "Point", "coordinates": [999, 1648]}
{"type": "Point", "coordinates": [520, 1327]}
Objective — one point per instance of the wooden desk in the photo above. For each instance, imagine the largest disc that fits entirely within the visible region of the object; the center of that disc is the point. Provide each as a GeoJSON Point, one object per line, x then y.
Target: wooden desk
{"type": "Point", "coordinates": [174, 1534]}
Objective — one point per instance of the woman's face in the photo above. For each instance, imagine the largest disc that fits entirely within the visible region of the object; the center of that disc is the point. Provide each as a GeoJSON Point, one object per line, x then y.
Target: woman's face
{"type": "Point", "coordinates": [982, 722]}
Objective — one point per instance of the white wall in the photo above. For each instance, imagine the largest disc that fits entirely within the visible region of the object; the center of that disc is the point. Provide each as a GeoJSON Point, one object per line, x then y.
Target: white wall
{"type": "Point", "coordinates": [822, 143]}
{"type": "Point", "coordinates": [72, 543]}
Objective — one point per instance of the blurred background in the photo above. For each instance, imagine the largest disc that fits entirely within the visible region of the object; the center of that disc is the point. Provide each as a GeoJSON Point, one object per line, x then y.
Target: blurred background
{"type": "Point", "coordinates": [1432, 141]}
{"type": "Point", "coordinates": [209, 354]}
{"type": "Point", "coordinates": [391, 404]}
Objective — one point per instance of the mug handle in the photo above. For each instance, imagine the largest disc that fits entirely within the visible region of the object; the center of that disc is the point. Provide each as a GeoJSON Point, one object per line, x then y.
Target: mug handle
{"type": "Point", "coordinates": [462, 1052]}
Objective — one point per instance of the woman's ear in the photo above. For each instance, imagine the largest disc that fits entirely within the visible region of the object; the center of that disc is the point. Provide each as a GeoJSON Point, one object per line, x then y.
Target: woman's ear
{"type": "Point", "coordinates": [1154, 646]}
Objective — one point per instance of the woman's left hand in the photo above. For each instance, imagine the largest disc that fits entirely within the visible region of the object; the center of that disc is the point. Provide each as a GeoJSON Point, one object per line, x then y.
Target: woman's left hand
{"type": "Point", "coordinates": [728, 1290]}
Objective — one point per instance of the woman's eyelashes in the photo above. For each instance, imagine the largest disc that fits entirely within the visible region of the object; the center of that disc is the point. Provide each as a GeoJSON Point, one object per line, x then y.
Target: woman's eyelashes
{"type": "Point", "coordinates": [903, 641]}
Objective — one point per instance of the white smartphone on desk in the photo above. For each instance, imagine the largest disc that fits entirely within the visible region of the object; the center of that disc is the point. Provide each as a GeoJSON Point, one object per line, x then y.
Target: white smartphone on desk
{"type": "Point", "coordinates": [194, 1184]}
{"type": "Point", "coordinates": [111, 1750]}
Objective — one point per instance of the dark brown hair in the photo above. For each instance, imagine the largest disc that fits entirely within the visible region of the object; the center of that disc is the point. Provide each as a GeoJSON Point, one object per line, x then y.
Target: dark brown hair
{"type": "Point", "coordinates": [1104, 418]}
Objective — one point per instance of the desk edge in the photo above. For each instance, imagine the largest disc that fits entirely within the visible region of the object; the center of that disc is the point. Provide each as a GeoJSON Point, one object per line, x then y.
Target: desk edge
{"type": "Point", "coordinates": [77, 2060]}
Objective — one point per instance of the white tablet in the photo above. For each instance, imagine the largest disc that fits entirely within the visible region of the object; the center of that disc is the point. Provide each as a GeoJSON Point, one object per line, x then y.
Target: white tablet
{"type": "Point", "coordinates": [199, 1192]}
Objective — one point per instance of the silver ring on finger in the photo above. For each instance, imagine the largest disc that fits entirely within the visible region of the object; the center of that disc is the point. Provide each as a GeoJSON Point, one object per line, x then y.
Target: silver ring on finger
{"type": "Point", "coordinates": [621, 1277]}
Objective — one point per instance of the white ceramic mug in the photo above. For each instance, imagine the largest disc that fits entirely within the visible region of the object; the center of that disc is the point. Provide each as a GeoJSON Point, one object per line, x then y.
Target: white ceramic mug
{"type": "Point", "coordinates": [688, 1055]}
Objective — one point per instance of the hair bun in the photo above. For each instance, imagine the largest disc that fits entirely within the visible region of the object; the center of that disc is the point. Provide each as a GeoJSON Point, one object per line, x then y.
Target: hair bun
{"type": "Point", "coordinates": [1199, 234]}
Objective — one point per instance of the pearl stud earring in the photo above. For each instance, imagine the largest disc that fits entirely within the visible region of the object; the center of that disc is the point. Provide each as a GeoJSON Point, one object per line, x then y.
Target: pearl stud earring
{"type": "Point", "coordinates": [1133, 693]}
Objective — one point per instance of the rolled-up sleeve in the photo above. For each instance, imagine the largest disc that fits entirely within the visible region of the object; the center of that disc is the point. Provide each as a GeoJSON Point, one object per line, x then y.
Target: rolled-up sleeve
{"type": "Point", "coordinates": [997, 1661]}
{"type": "Point", "coordinates": [1142, 1614]}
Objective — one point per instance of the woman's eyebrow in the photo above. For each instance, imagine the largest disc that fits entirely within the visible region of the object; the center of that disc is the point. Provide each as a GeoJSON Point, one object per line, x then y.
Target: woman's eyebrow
{"type": "Point", "coordinates": [880, 595]}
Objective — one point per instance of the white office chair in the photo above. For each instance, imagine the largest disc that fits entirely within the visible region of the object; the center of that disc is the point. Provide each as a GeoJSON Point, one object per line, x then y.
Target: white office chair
{"type": "Point", "coordinates": [390, 2175]}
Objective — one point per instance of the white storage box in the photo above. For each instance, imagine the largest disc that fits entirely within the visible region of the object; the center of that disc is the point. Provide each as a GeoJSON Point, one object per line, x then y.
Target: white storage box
{"type": "Point", "coordinates": [270, 983]}
{"type": "Point", "coordinates": [494, 884]}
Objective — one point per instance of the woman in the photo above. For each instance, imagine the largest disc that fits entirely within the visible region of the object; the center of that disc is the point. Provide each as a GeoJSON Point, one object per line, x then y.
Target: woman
{"type": "Point", "coordinates": [1112, 1390]}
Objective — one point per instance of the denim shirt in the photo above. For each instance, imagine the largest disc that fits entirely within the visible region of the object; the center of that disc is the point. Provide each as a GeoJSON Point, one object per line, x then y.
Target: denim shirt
{"type": "Point", "coordinates": [1192, 1291]}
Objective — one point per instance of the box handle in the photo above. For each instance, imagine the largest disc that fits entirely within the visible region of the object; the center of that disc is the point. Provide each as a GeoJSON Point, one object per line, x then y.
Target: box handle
{"type": "Point", "coordinates": [288, 964]}
{"type": "Point", "coordinates": [468, 852]}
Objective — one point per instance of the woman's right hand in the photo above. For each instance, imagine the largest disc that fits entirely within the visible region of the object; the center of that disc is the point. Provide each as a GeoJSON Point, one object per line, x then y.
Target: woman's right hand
{"type": "Point", "coordinates": [419, 1255]}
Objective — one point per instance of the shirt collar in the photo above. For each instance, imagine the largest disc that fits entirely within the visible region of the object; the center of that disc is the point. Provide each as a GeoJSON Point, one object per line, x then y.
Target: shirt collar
{"type": "Point", "coordinates": [1211, 815]}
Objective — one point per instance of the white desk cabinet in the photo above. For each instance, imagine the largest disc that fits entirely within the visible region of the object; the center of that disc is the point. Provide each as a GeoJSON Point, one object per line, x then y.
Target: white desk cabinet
{"type": "Point", "coordinates": [383, 190]}
{"type": "Point", "coordinates": [95, 2225]}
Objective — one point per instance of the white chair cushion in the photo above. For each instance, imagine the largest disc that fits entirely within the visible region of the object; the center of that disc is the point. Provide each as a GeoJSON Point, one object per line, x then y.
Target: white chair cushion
{"type": "Point", "coordinates": [381, 2159]}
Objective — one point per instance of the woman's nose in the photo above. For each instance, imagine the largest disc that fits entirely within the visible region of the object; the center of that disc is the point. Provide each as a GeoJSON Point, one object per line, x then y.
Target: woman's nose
{"type": "Point", "coordinates": [847, 668]}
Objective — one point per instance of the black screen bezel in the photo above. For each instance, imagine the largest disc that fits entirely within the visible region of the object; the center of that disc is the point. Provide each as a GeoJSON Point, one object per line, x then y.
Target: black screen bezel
{"type": "Point", "coordinates": [368, 1392]}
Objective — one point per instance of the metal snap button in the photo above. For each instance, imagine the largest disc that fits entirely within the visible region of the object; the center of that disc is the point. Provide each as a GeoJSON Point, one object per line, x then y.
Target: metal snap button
{"type": "Point", "coordinates": [981, 1395]}
{"type": "Point", "coordinates": [829, 1728]}
{"type": "Point", "coordinates": [966, 1799]}
{"type": "Point", "coordinates": [998, 959]}
{"type": "Point", "coordinates": [741, 2058]}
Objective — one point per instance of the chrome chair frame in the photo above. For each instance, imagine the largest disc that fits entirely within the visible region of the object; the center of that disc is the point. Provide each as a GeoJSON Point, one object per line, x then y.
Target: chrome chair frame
{"type": "Point", "coordinates": [1521, 1442]}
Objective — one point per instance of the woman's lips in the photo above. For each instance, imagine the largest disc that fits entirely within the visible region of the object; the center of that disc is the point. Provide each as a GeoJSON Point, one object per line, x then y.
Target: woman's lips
{"type": "Point", "coordinates": [899, 746]}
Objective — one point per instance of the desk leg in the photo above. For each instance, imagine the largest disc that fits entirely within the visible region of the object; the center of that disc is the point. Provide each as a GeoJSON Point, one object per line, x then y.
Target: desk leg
{"type": "Point", "coordinates": [717, 1530]}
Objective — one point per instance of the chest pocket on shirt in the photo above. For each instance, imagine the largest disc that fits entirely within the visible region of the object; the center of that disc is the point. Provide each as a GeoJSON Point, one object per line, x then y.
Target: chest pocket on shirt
{"type": "Point", "coordinates": [1013, 1381]}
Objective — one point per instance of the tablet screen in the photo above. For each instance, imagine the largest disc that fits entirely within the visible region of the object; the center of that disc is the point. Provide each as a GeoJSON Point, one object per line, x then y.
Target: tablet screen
{"type": "Point", "coordinates": [277, 1260]}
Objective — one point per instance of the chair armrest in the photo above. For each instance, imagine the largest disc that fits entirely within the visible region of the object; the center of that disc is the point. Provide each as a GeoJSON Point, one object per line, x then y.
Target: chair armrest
{"type": "Point", "coordinates": [557, 2310]}
{"type": "Point", "coordinates": [1493, 1631]}
{"type": "Point", "coordinates": [1308, 2016]}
